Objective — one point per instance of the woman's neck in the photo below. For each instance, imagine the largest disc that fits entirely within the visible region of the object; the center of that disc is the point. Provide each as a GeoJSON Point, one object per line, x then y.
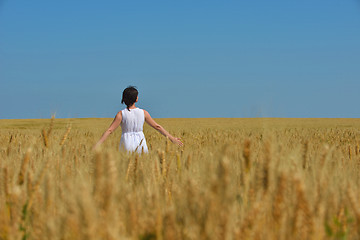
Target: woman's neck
{"type": "Point", "coordinates": [132, 106]}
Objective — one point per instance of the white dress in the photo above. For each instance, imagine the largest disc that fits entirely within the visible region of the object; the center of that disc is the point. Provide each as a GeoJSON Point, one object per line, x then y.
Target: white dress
{"type": "Point", "coordinates": [132, 136]}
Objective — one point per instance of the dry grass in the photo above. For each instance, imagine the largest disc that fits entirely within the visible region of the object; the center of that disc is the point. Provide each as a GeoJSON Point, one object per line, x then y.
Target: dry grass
{"type": "Point", "coordinates": [233, 179]}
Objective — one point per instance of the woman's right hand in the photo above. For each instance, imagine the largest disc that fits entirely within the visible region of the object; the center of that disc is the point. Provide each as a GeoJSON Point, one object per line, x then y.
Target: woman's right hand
{"type": "Point", "coordinates": [177, 141]}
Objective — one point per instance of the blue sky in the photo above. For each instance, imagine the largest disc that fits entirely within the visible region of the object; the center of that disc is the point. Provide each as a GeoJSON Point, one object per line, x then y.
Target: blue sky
{"type": "Point", "coordinates": [261, 58]}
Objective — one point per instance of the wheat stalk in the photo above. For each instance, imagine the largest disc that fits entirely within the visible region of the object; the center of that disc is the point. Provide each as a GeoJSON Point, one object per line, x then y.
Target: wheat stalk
{"type": "Point", "coordinates": [45, 138]}
{"type": "Point", "coordinates": [246, 154]}
{"type": "Point", "coordinates": [51, 125]}
{"type": "Point", "coordinates": [65, 135]}
{"type": "Point", "coordinates": [22, 172]}
{"type": "Point", "coordinates": [279, 199]}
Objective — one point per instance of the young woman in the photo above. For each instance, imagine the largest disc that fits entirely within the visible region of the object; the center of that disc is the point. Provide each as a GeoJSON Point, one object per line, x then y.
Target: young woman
{"type": "Point", "coordinates": [132, 120]}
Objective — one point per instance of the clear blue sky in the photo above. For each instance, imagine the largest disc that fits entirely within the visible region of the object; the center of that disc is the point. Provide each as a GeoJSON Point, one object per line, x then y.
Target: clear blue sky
{"type": "Point", "coordinates": [189, 58]}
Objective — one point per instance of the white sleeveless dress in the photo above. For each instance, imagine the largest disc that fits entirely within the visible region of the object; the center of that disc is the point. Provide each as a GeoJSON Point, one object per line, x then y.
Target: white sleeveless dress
{"type": "Point", "coordinates": [132, 136]}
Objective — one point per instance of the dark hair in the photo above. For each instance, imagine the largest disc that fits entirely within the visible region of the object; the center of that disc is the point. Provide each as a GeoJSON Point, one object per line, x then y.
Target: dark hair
{"type": "Point", "coordinates": [129, 96]}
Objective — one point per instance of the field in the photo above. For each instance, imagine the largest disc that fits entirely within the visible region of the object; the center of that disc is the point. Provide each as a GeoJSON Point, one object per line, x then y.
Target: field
{"type": "Point", "coordinates": [233, 179]}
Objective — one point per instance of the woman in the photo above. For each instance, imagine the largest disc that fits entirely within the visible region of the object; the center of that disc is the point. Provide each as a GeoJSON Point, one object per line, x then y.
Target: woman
{"type": "Point", "coordinates": [132, 120]}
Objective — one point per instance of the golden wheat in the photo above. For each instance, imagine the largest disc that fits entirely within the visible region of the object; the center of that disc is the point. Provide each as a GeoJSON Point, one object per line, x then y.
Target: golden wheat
{"type": "Point", "coordinates": [233, 179]}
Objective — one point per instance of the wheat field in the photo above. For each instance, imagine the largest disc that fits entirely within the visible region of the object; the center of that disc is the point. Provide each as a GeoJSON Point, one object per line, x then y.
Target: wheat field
{"type": "Point", "coordinates": [233, 179]}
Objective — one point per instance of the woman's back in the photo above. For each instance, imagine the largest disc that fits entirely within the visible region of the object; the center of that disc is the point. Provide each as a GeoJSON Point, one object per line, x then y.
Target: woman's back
{"type": "Point", "coordinates": [132, 136]}
{"type": "Point", "coordinates": [132, 120]}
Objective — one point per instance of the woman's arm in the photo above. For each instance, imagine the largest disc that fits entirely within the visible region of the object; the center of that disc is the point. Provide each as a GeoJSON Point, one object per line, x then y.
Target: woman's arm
{"type": "Point", "coordinates": [160, 129]}
{"type": "Point", "coordinates": [115, 124]}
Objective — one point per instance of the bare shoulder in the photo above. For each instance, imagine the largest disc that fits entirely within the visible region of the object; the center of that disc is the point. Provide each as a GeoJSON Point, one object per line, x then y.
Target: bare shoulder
{"type": "Point", "coordinates": [146, 112]}
{"type": "Point", "coordinates": [147, 116]}
{"type": "Point", "coordinates": [119, 114]}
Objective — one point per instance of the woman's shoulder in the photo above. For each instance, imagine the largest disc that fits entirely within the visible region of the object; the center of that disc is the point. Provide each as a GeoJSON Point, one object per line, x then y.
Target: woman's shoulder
{"type": "Point", "coordinates": [143, 110]}
{"type": "Point", "coordinates": [119, 114]}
